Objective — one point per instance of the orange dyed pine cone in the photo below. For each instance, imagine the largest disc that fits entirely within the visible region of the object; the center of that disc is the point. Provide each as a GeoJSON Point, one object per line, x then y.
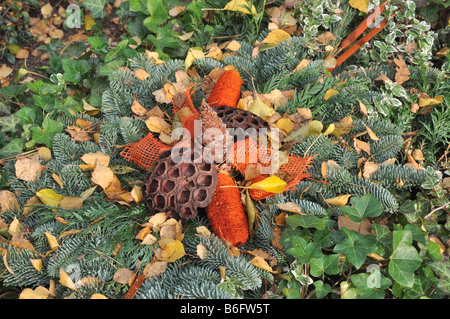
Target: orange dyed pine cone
{"type": "Point", "coordinates": [227, 90]}
{"type": "Point", "coordinates": [225, 212]}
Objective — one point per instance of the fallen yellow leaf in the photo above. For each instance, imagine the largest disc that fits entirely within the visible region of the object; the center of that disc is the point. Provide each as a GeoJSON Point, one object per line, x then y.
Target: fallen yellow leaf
{"type": "Point", "coordinates": [272, 184]}
{"type": "Point", "coordinates": [241, 6]}
{"type": "Point", "coordinates": [192, 55]}
{"type": "Point", "coordinates": [329, 93]}
{"type": "Point", "coordinates": [341, 200]}
{"type": "Point", "coordinates": [261, 263]}
{"type": "Point", "coordinates": [172, 251]}
{"type": "Point", "coordinates": [51, 240]}
{"type": "Point", "coordinates": [361, 5]}
{"type": "Point", "coordinates": [65, 280]}
{"type": "Point", "coordinates": [49, 197]}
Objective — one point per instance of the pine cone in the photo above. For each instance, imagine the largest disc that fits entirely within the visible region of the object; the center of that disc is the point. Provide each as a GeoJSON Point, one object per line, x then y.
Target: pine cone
{"type": "Point", "coordinates": [215, 137]}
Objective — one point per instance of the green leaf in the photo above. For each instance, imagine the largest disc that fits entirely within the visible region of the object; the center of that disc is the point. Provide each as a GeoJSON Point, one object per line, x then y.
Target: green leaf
{"type": "Point", "coordinates": [96, 7]}
{"type": "Point", "coordinates": [138, 5]}
{"type": "Point", "coordinates": [303, 250]}
{"type": "Point", "coordinates": [74, 69]}
{"type": "Point", "coordinates": [159, 13]}
{"type": "Point", "coordinates": [13, 148]}
{"type": "Point", "coordinates": [307, 221]}
{"type": "Point", "coordinates": [355, 247]}
{"type": "Point", "coordinates": [442, 269]}
{"type": "Point", "coordinates": [321, 289]}
{"type": "Point", "coordinates": [99, 45]}
{"type": "Point", "coordinates": [328, 264]}
{"type": "Point", "coordinates": [8, 123]}
{"type": "Point", "coordinates": [404, 259]}
{"type": "Point", "coordinates": [365, 206]}
{"type": "Point", "coordinates": [371, 286]}
{"type": "Point", "coordinates": [26, 114]}
{"type": "Point", "coordinates": [383, 238]}
{"type": "Point", "coordinates": [45, 135]}
{"type": "Point", "coordinates": [13, 90]}
{"type": "Point", "coordinates": [42, 88]}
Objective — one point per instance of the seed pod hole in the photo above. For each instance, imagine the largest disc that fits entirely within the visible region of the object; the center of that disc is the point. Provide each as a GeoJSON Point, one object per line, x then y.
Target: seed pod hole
{"type": "Point", "coordinates": [172, 201]}
{"type": "Point", "coordinates": [187, 170]}
{"type": "Point", "coordinates": [183, 197]}
{"type": "Point", "coordinates": [160, 201]}
{"type": "Point", "coordinates": [174, 173]}
{"type": "Point", "coordinates": [168, 186]}
{"type": "Point", "coordinates": [160, 169]}
{"type": "Point", "coordinates": [204, 180]}
{"type": "Point", "coordinates": [205, 166]}
{"type": "Point", "coordinates": [239, 119]}
{"type": "Point", "coordinates": [200, 195]}
{"type": "Point", "coordinates": [153, 186]}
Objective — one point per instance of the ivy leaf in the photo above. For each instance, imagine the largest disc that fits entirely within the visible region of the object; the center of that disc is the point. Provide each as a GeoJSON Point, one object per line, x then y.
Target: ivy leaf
{"type": "Point", "coordinates": [96, 7]}
{"type": "Point", "coordinates": [365, 206]}
{"type": "Point", "coordinates": [159, 13]}
{"type": "Point", "coordinates": [13, 148]}
{"type": "Point", "coordinates": [302, 250]}
{"type": "Point", "coordinates": [355, 246]}
{"type": "Point", "coordinates": [321, 289]}
{"type": "Point", "coordinates": [74, 69]}
{"type": "Point", "coordinates": [442, 268]}
{"type": "Point", "coordinates": [404, 259]}
{"type": "Point", "coordinates": [324, 264]}
{"type": "Point", "coordinates": [45, 135]}
{"type": "Point", "coordinates": [307, 221]}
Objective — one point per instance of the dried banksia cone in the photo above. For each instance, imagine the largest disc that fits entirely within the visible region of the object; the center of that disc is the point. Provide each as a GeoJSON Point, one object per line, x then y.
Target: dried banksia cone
{"type": "Point", "coordinates": [216, 138]}
{"type": "Point", "coordinates": [226, 213]}
{"type": "Point", "coordinates": [179, 183]}
{"type": "Point", "coordinates": [227, 89]}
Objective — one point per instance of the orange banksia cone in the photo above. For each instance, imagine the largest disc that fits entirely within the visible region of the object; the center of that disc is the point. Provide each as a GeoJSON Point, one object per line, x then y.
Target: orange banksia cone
{"type": "Point", "coordinates": [226, 213]}
{"type": "Point", "coordinates": [227, 90]}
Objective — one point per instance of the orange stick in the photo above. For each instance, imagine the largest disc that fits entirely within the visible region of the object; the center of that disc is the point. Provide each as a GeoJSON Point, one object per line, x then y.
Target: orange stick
{"type": "Point", "coordinates": [363, 26]}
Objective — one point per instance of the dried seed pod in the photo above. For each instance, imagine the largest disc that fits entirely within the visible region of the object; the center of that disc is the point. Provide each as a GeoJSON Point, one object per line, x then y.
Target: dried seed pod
{"type": "Point", "coordinates": [179, 183]}
{"type": "Point", "coordinates": [226, 213]}
{"type": "Point", "coordinates": [236, 118]}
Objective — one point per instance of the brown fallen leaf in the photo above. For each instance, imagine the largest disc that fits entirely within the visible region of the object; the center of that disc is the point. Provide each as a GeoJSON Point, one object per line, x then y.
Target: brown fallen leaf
{"type": "Point", "coordinates": [369, 169]}
{"type": "Point", "coordinates": [402, 71]}
{"type": "Point", "coordinates": [155, 268]}
{"type": "Point", "coordinates": [124, 276]}
{"type": "Point", "coordinates": [22, 54]}
{"type": "Point", "coordinates": [8, 201]}
{"type": "Point", "coordinates": [361, 146]}
{"type": "Point", "coordinates": [363, 228]}
{"type": "Point", "coordinates": [27, 169]}
{"type": "Point", "coordinates": [78, 134]}
{"type": "Point", "coordinates": [71, 202]}
{"type": "Point", "coordinates": [138, 109]}
{"type": "Point", "coordinates": [102, 176]}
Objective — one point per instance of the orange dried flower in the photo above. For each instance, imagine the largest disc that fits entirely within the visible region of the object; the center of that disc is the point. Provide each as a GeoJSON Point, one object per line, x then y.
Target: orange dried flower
{"type": "Point", "coordinates": [226, 213]}
{"type": "Point", "coordinates": [227, 90]}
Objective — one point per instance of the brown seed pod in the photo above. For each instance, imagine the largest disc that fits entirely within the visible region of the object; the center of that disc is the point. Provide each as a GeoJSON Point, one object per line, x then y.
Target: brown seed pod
{"type": "Point", "coordinates": [179, 183]}
{"type": "Point", "coordinates": [237, 118]}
